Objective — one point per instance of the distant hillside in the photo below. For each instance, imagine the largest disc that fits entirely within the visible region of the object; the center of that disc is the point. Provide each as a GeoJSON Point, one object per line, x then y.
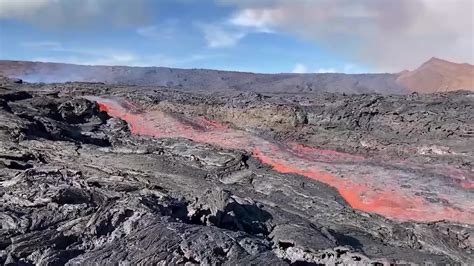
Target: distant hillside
{"type": "Point", "coordinates": [438, 75]}
{"type": "Point", "coordinates": [200, 79]}
{"type": "Point", "coordinates": [433, 76]}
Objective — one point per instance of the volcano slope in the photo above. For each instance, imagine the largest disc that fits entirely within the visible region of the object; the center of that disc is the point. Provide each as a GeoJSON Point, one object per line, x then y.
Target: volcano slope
{"type": "Point", "coordinates": [100, 174]}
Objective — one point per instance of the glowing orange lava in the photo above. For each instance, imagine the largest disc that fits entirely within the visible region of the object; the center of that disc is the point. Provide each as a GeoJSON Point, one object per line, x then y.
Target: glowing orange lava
{"type": "Point", "coordinates": [395, 191]}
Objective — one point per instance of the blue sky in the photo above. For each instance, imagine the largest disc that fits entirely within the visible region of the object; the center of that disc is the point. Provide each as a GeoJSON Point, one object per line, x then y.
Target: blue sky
{"type": "Point", "coordinates": [268, 36]}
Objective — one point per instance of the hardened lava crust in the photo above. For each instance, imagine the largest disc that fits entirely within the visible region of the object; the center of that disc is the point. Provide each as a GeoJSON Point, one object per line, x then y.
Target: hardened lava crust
{"type": "Point", "coordinates": [107, 174]}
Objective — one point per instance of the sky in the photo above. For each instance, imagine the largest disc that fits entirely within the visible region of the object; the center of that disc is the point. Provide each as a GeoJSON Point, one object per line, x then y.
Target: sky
{"type": "Point", "coordinates": [266, 36]}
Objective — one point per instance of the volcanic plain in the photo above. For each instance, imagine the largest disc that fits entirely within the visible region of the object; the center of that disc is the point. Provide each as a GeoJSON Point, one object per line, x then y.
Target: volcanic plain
{"type": "Point", "coordinates": [94, 173]}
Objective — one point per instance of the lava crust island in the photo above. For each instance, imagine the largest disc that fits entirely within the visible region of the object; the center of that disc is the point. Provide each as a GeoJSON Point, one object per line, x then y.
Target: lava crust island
{"type": "Point", "coordinates": [112, 174]}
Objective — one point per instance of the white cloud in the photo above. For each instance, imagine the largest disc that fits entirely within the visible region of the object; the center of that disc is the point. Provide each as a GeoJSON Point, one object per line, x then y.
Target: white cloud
{"type": "Point", "coordinates": [186, 60]}
{"type": "Point", "coordinates": [390, 35]}
{"type": "Point", "coordinates": [21, 8]}
{"type": "Point", "coordinates": [117, 59]}
{"type": "Point", "coordinates": [124, 59]}
{"type": "Point", "coordinates": [219, 36]}
{"type": "Point", "coordinates": [229, 32]}
{"type": "Point", "coordinates": [43, 45]}
{"type": "Point", "coordinates": [149, 31]}
{"type": "Point", "coordinates": [86, 55]}
{"type": "Point", "coordinates": [65, 14]}
{"type": "Point", "coordinates": [83, 61]}
{"type": "Point", "coordinates": [300, 68]}
{"type": "Point", "coordinates": [247, 18]}
{"type": "Point", "coordinates": [166, 30]}
{"type": "Point", "coordinates": [326, 70]}
{"type": "Point", "coordinates": [157, 32]}
{"type": "Point", "coordinates": [101, 56]}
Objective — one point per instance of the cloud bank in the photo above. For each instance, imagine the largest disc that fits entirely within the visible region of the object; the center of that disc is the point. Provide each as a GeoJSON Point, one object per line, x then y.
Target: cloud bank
{"type": "Point", "coordinates": [66, 14]}
{"type": "Point", "coordinates": [389, 35]}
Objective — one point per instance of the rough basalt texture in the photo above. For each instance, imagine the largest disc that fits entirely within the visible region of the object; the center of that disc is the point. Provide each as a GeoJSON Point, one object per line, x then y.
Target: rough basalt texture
{"type": "Point", "coordinates": [77, 187]}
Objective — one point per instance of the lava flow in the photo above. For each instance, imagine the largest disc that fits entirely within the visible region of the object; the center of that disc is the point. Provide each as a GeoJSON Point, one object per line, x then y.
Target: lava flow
{"type": "Point", "coordinates": [392, 191]}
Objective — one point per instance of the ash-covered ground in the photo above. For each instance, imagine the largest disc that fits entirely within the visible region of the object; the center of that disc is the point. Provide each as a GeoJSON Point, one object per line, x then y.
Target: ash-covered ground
{"type": "Point", "coordinates": [101, 174]}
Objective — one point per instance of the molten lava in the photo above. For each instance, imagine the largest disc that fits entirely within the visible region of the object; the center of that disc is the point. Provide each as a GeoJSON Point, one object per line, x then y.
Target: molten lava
{"type": "Point", "coordinates": [395, 190]}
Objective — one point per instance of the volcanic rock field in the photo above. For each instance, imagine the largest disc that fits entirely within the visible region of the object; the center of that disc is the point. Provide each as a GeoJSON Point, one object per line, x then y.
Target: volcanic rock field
{"type": "Point", "coordinates": [101, 174]}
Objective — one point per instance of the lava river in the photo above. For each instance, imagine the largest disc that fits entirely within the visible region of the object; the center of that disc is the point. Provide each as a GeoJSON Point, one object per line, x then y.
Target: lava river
{"type": "Point", "coordinates": [396, 190]}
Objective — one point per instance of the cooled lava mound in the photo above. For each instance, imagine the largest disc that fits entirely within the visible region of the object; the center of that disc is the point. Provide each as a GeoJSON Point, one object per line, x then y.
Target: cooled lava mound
{"type": "Point", "coordinates": [101, 174]}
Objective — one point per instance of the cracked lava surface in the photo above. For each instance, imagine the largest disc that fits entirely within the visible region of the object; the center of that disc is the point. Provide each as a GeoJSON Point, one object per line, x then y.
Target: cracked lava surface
{"type": "Point", "coordinates": [397, 190]}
